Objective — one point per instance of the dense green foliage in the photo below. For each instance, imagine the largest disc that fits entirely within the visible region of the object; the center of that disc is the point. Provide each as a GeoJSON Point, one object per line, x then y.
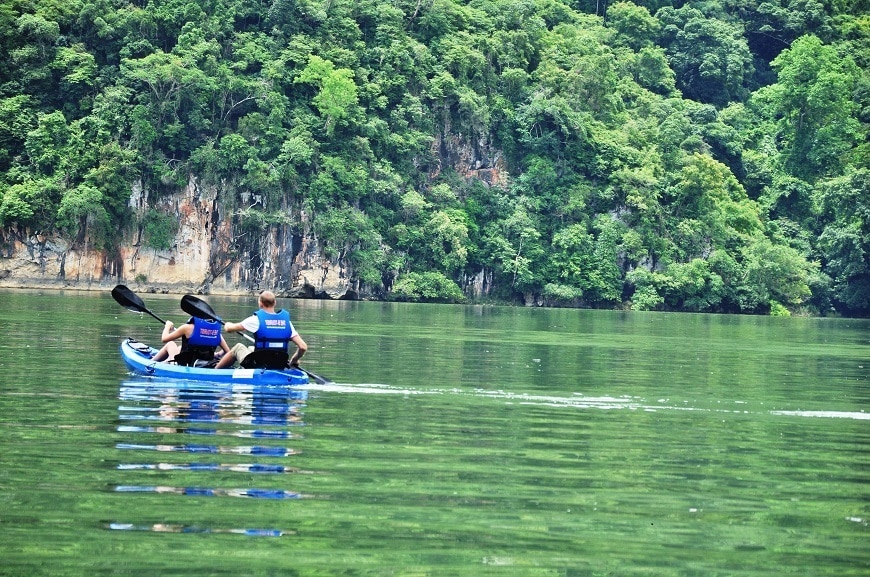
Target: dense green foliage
{"type": "Point", "coordinates": [703, 156]}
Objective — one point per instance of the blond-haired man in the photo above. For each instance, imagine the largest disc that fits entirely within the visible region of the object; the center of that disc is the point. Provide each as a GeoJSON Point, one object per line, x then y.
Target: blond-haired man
{"type": "Point", "coordinates": [272, 330]}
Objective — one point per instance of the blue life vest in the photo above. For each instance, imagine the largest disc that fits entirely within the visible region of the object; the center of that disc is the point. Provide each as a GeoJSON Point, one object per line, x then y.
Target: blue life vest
{"type": "Point", "coordinates": [274, 331]}
{"type": "Point", "coordinates": [205, 337]}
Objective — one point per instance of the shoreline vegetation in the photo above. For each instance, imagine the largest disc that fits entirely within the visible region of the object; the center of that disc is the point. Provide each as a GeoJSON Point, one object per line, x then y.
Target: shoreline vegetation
{"type": "Point", "coordinates": [666, 155]}
{"type": "Point", "coordinates": [179, 289]}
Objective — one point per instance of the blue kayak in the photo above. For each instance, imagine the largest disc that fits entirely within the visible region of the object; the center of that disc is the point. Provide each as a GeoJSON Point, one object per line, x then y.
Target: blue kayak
{"type": "Point", "coordinates": [138, 357]}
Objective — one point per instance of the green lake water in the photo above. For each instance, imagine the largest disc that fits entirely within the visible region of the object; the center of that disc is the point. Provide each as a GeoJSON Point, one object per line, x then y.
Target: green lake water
{"type": "Point", "coordinates": [455, 440]}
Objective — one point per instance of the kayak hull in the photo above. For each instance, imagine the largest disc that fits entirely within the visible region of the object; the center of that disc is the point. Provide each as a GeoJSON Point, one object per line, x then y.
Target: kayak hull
{"type": "Point", "coordinates": [138, 357]}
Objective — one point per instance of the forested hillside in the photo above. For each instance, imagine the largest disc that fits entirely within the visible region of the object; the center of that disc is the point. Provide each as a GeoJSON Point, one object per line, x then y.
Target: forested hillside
{"type": "Point", "coordinates": [667, 155]}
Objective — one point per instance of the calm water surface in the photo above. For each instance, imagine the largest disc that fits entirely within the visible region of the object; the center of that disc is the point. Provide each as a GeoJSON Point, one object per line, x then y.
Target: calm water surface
{"type": "Point", "coordinates": [456, 440]}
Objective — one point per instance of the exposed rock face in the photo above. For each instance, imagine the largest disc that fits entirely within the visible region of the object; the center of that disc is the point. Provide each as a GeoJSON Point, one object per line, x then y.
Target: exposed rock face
{"type": "Point", "coordinates": [472, 157]}
{"type": "Point", "coordinates": [209, 256]}
{"type": "Point", "coordinates": [32, 259]}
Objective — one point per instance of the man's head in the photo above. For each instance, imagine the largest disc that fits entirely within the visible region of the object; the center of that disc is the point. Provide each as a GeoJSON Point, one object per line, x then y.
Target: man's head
{"type": "Point", "coordinates": [267, 299]}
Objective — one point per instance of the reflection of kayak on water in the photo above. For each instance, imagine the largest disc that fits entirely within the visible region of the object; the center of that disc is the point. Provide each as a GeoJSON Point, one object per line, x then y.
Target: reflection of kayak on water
{"type": "Point", "coordinates": [214, 403]}
{"type": "Point", "coordinates": [236, 467]}
{"type": "Point", "coordinates": [174, 528]}
{"type": "Point", "coordinates": [245, 434]}
{"type": "Point", "coordinates": [138, 357]}
{"type": "Point", "coordinates": [212, 449]}
{"type": "Point", "coordinates": [207, 492]}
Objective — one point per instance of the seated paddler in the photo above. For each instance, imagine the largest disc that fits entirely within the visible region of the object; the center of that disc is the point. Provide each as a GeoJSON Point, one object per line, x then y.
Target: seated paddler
{"type": "Point", "coordinates": [273, 332]}
{"type": "Point", "coordinates": [200, 339]}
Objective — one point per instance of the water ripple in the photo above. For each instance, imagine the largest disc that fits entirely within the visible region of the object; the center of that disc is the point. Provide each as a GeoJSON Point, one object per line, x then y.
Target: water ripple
{"type": "Point", "coordinates": [580, 401]}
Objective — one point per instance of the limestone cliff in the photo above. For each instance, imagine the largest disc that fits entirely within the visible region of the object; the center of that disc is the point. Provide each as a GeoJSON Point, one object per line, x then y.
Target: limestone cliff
{"type": "Point", "coordinates": [209, 256]}
{"type": "Point", "coordinates": [211, 253]}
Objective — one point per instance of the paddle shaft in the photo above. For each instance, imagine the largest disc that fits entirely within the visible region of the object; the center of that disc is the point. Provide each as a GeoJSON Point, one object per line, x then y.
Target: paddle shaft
{"type": "Point", "coordinates": [155, 316]}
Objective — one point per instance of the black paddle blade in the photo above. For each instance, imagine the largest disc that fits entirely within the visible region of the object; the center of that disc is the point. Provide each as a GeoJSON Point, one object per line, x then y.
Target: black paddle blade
{"type": "Point", "coordinates": [198, 308]}
{"type": "Point", "coordinates": [130, 300]}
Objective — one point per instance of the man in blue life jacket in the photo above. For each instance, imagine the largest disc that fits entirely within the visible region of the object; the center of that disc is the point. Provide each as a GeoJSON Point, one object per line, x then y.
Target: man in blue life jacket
{"type": "Point", "coordinates": [272, 330]}
{"type": "Point", "coordinates": [199, 339]}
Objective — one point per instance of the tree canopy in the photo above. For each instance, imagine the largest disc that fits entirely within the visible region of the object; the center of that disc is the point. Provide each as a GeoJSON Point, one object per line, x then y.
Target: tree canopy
{"type": "Point", "coordinates": [670, 155]}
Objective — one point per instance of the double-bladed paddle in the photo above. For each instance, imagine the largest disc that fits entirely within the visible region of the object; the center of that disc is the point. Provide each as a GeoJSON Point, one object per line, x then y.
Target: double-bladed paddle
{"type": "Point", "coordinates": [201, 309]}
{"type": "Point", "coordinates": [192, 306]}
{"type": "Point", "coordinates": [131, 301]}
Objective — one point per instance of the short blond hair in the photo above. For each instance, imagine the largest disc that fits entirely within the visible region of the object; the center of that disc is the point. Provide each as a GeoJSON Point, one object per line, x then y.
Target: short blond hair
{"type": "Point", "coordinates": [267, 299]}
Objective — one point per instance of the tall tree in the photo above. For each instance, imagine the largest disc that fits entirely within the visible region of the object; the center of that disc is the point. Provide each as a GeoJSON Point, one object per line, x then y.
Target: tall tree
{"type": "Point", "coordinates": [709, 56]}
{"type": "Point", "coordinates": [813, 97]}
